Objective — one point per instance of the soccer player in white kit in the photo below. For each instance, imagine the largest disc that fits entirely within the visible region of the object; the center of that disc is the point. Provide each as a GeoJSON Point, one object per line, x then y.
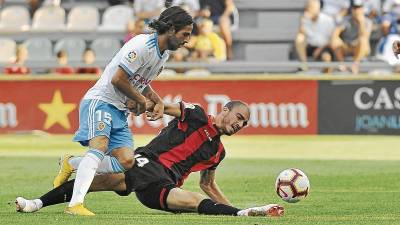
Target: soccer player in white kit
{"type": "Point", "coordinates": [124, 86]}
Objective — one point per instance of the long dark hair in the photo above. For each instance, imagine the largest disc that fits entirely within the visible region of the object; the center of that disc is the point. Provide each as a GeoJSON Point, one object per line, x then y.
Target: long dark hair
{"type": "Point", "coordinates": [175, 17]}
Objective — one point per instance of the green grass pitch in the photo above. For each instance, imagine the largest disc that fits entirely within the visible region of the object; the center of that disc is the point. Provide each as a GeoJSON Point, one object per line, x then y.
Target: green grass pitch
{"type": "Point", "coordinates": [354, 180]}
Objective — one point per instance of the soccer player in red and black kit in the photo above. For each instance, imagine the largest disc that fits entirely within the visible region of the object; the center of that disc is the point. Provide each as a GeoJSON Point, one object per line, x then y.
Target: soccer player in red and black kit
{"type": "Point", "coordinates": [190, 143]}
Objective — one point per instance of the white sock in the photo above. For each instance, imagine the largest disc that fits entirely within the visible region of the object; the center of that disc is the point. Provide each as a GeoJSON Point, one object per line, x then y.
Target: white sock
{"type": "Point", "coordinates": [109, 164]}
{"type": "Point", "coordinates": [242, 212]}
{"type": "Point", "coordinates": [75, 161]}
{"type": "Point", "coordinates": [38, 203]}
{"type": "Point", "coordinates": [85, 174]}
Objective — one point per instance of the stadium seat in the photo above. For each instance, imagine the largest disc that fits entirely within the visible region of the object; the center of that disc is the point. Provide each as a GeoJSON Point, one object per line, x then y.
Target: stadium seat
{"type": "Point", "coordinates": [75, 47]}
{"type": "Point", "coordinates": [39, 49]}
{"type": "Point", "coordinates": [197, 73]}
{"type": "Point", "coordinates": [15, 18]}
{"type": "Point", "coordinates": [105, 48]}
{"type": "Point", "coordinates": [288, 20]}
{"type": "Point", "coordinates": [267, 52]}
{"type": "Point", "coordinates": [7, 48]}
{"type": "Point", "coordinates": [167, 73]}
{"type": "Point", "coordinates": [115, 18]}
{"type": "Point", "coordinates": [83, 18]}
{"type": "Point", "coordinates": [49, 18]}
{"type": "Point", "coordinates": [235, 22]}
{"type": "Point", "coordinates": [270, 4]}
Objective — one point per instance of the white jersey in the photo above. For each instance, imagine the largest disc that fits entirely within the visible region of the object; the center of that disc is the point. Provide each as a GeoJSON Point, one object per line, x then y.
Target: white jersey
{"type": "Point", "coordinates": [141, 59]}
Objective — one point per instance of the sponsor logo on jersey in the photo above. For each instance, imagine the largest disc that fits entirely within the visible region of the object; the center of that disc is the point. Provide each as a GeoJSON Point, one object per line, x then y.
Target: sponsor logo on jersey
{"type": "Point", "coordinates": [131, 57]}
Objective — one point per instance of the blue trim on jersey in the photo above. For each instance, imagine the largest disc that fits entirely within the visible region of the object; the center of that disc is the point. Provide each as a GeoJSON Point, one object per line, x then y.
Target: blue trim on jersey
{"type": "Point", "coordinates": [153, 42]}
{"type": "Point", "coordinates": [126, 69]}
{"type": "Point", "coordinates": [116, 165]}
{"type": "Point", "coordinates": [97, 153]}
{"type": "Point", "coordinates": [158, 48]}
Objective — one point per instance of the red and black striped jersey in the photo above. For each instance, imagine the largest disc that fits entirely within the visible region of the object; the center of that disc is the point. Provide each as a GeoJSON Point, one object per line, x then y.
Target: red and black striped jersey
{"type": "Point", "coordinates": [188, 144]}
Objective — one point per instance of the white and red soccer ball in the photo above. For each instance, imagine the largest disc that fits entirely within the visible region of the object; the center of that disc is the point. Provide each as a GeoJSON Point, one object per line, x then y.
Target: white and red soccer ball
{"type": "Point", "coordinates": [292, 185]}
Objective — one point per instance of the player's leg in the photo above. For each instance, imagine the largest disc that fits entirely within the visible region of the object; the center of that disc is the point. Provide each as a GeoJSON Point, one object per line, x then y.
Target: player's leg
{"type": "Point", "coordinates": [95, 118]}
{"type": "Point", "coordinates": [63, 193]}
{"type": "Point", "coordinates": [85, 174]}
{"type": "Point", "coordinates": [179, 199]}
{"type": "Point", "coordinates": [118, 159]}
{"type": "Point", "coordinates": [167, 197]}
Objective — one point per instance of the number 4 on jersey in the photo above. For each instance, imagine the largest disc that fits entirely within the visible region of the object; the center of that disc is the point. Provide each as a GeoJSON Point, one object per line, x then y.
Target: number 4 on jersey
{"type": "Point", "coordinates": [141, 161]}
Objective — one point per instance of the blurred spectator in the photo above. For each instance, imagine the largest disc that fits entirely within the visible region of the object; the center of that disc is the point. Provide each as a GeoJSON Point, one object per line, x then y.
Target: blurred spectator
{"type": "Point", "coordinates": [391, 17]}
{"type": "Point", "coordinates": [335, 8]}
{"type": "Point", "coordinates": [179, 55]}
{"type": "Point", "coordinates": [315, 33]}
{"type": "Point", "coordinates": [148, 9]}
{"type": "Point", "coordinates": [220, 12]}
{"type": "Point", "coordinates": [18, 67]}
{"type": "Point", "coordinates": [351, 36]}
{"type": "Point", "coordinates": [63, 67]}
{"type": "Point", "coordinates": [133, 28]}
{"type": "Point", "coordinates": [119, 2]}
{"type": "Point", "coordinates": [33, 5]}
{"type": "Point", "coordinates": [89, 58]}
{"type": "Point", "coordinates": [372, 10]}
{"type": "Point", "coordinates": [52, 2]}
{"type": "Point", "coordinates": [191, 6]}
{"type": "Point", "coordinates": [208, 45]}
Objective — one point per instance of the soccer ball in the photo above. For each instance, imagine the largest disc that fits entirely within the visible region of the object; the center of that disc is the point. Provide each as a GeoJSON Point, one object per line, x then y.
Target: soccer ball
{"type": "Point", "coordinates": [292, 185]}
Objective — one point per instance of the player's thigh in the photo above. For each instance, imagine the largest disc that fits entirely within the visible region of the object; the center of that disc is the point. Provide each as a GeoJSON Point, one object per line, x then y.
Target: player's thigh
{"type": "Point", "coordinates": [95, 123]}
{"type": "Point", "coordinates": [121, 144]}
{"type": "Point", "coordinates": [124, 156]}
{"type": "Point", "coordinates": [99, 143]}
{"type": "Point", "coordinates": [179, 199]}
{"type": "Point", "coordinates": [108, 182]}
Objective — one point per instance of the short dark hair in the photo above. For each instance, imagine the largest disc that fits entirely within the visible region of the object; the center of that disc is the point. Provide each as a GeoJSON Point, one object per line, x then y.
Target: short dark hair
{"type": "Point", "coordinates": [175, 17]}
{"type": "Point", "coordinates": [235, 103]}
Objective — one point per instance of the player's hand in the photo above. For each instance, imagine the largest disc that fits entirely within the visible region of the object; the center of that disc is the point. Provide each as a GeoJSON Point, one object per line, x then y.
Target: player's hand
{"type": "Point", "coordinates": [396, 48]}
{"type": "Point", "coordinates": [135, 107]}
{"type": "Point", "coordinates": [130, 105]}
{"type": "Point", "coordinates": [150, 105]}
{"type": "Point", "coordinates": [140, 107]}
{"type": "Point", "coordinates": [158, 111]}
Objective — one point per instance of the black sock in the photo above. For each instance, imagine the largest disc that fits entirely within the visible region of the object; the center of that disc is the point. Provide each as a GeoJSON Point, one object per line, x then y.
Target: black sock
{"type": "Point", "coordinates": [58, 195]}
{"type": "Point", "coordinates": [209, 207]}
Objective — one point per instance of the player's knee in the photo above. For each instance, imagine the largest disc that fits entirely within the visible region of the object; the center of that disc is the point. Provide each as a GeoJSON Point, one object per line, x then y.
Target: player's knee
{"type": "Point", "coordinates": [126, 162]}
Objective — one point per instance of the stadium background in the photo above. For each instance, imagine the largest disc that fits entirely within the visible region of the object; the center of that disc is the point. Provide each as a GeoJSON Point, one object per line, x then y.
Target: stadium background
{"type": "Point", "coordinates": [38, 114]}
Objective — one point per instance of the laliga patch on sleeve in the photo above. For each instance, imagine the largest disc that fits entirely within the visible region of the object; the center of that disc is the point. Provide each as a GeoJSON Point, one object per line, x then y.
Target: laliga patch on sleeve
{"type": "Point", "coordinates": [188, 105]}
{"type": "Point", "coordinates": [131, 56]}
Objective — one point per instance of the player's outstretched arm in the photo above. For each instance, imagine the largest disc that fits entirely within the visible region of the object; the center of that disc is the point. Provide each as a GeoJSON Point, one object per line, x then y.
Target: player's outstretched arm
{"type": "Point", "coordinates": [158, 110]}
{"type": "Point", "coordinates": [211, 188]}
{"type": "Point", "coordinates": [172, 109]}
{"type": "Point", "coordinates": [121, 82]}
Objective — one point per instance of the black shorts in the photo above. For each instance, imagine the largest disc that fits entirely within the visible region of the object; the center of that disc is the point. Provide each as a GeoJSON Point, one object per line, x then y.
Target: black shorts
{"type": "Point", "coordinates": [151, 183]}
{"type": "Point", "coordinates": [310, 51]}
